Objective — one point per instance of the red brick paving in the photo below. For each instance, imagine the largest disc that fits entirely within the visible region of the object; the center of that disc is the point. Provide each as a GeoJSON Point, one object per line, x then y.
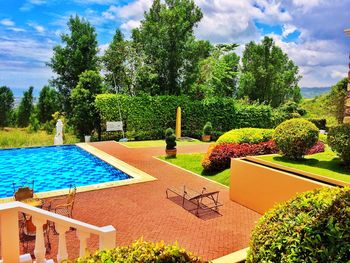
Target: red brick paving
{"type": "Point", "coordinates": [142, 210]}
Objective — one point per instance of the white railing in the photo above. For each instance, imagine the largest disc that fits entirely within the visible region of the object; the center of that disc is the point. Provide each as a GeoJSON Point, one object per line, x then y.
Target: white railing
{"type": "Point", "coordinates": [9, 230]}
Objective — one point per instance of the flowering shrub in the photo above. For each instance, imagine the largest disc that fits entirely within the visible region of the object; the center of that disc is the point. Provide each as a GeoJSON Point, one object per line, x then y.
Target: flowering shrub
{"type": "Point", "coordinates": [246, 135]}
{"type": "Point", "coordinates": [317, 148]}
{"type": "Point", "coordinates": [219, 156]}
{"type": "Point", "coordinates": [142, 251]}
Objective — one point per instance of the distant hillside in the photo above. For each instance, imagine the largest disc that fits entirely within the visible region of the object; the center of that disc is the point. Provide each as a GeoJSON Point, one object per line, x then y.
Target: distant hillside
{"type": "Point", "coordinates": [310, 93]}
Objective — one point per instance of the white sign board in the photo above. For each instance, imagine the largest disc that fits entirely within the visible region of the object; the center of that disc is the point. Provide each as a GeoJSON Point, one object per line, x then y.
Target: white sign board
{"type": "Point", "coordinates": [114, 126]}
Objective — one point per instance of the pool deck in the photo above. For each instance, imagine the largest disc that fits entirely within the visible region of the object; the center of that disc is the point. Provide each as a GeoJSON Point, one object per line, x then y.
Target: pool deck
{"type": "Point", "coordinates": [142, 209]}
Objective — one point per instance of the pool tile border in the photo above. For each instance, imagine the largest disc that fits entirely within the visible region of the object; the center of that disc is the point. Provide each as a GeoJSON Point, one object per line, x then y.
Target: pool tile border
{"type": "Point", "coordinates": [137, 175]}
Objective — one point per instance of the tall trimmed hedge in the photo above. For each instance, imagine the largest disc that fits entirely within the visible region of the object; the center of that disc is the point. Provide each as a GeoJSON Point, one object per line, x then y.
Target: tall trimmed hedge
{"type": "Point", "coordinates": [150, 116]}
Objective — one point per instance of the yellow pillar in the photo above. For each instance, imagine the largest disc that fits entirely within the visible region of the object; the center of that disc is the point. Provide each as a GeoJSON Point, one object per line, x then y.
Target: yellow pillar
{"type": "Point", "coordinates": [178, 123]}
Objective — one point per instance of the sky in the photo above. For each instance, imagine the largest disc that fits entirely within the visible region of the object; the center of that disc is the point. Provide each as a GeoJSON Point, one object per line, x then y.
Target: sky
{"type": "Point", "coordinates": [311, 32]}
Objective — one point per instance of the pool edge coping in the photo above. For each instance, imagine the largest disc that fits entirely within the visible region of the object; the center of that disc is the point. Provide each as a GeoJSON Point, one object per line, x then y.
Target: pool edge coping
{"type": "Point", "coordinates": [137, 176]}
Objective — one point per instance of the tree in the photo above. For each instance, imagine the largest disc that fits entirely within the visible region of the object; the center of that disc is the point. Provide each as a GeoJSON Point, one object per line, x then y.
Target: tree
{"type": "Point", "coordinates": [6, 105]}
{"type": "Point", "coordinates": [25, 108]}
{"type": "Point", "coordinates": [167, 40]}
{"type": "Point", "coordinates": [336, 99]}
{"type": "Point", "coordinates": [218, 73]}
{"type": "Point", "coordinates": [85, 116]}
{"type": "Point", "coordinates": [48, 104]}
{"type": "Point", "coordinates": [78, 54]}
{"type": "Point", "coordinates": [268, 75]}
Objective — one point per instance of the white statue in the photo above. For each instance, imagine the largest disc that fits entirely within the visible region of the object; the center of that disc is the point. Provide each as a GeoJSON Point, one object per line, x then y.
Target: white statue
{"type": "Point", "coordinates": [59, 133]}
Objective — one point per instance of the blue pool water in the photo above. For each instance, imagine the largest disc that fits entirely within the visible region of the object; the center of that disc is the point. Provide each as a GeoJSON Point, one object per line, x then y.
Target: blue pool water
{"type": "Point", "coordinates": [52, 168]}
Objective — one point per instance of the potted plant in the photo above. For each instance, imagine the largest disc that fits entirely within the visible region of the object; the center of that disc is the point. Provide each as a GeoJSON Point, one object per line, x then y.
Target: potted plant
{"type": "Point", "coordinates": [170, 140]}
{"type": "Point", "coordinates": [207, 130]}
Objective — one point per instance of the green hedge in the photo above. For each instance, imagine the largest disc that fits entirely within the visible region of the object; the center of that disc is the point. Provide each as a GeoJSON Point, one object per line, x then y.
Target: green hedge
{"type": "Point", "coordinates": [246, 135]}
{"type": "Point", "coordinates": [150, 116]}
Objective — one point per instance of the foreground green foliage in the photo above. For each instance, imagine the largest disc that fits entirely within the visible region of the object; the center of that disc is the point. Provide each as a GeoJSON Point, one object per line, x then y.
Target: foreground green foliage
{"type": "Point", "coordinates": [142, 251]}
{"type": "Point", "coordinates": [150, 116]}
{"type": "Point", "coordinates": [192, 162]}
{"type": "Point", "coordinates": [294, 137]}
{"type": "Point", "coordinates": [339, 140]}
{"type": "Point", "coordinates": [6, 104]}
{"type": "Point", "coordinates": [312, 227]}
{"type": "Point", "coordinates": [14, 138]}
{"type": "Point", "coordinates": [326, 164]}
{"type": "Point", "coordinates": [246, 135]}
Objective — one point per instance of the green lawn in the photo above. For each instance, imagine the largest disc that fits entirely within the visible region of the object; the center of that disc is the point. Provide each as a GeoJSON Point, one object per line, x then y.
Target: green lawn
{"type": "Point", "coordinates": [192, 162]}
{"type": "Point", "coordinates": [20, 137]}
{"type": "Point", "coordinates": [156, 143]}
{"type": "Point", "coordinates": [326, 164]}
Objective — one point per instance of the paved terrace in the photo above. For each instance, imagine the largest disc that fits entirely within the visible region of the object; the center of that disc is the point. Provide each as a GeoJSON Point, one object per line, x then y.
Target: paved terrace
{"type": "Point", "coordinates": [142, 210]}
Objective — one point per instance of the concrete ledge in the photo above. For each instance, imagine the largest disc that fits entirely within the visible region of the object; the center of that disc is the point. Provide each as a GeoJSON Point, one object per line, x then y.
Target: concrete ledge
{"type": "Point", "coordinates": [259, 187]}
{"type": "Point", "coordinates": [235, 257]}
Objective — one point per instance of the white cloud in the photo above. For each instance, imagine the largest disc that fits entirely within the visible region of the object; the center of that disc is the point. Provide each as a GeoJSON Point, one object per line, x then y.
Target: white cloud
{"type": "Point", "coordinates": [38, 28]}
{"type": "Point", "coordinates": [98, 2]}
{"type": "Point", "coordinates": [7, 22]}
{"type": "Point", "coordinates": [288, 29]}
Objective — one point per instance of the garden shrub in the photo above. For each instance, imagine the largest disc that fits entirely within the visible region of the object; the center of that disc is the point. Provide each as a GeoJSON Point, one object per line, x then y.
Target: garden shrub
{"type": "Point", "coordinates": [312, 227]}
{"type": "Point", "coordinates": [170, 139]}
{"type": "Point", "coordinates": [152, 115]}
{"type": "Point", "coordinates": [207, 129]}
{"type": "Point", "coordinates": [295, 136]}
{"type": "Point", "coordinates": [219, 156]}
{"type": "Point", "coordinates": [246, 135]}
{"type": "Point", "coordinates": [319, 147]}
{"type": "Point", "coordinates": [320, 123]}
{"type": "Point", "coordinates": [339, 141]}
{"type": "Point", "coordinates": [142, 251]}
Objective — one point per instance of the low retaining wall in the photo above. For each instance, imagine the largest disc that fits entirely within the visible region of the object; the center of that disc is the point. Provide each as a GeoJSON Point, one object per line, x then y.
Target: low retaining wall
{"type": "Point", "coordinates": [259, 187]}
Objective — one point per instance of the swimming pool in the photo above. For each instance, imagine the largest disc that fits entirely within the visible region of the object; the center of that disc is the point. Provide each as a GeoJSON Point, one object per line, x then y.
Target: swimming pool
{"type": "Point", "coordinates": [53, 168]}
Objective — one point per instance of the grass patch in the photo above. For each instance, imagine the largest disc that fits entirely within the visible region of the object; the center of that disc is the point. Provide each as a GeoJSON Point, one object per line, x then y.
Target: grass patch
{"type": "Point", "coordinates": [20, 137]}
{"type": "Point", "coordinates": [192, 162]}
{"type": "Point", "coordinates": [326, 164]}
{"type": "Point", "coordinates": [156, 143]}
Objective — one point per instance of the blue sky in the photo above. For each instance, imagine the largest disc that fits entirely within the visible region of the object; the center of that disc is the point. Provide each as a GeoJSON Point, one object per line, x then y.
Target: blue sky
{"type": "Point", "coordinates": [310, 31]}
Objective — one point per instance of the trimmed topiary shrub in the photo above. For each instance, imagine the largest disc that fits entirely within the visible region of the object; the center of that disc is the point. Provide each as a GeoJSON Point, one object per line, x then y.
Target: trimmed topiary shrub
{"type": "Point", "coordinates": [219, 156]}
{"type": "Point", "coordinates": [246, 135]}
{"type": "Point", "coordinates": [170, 139]}
{"type": "Point", "coordinates": [339, 140]}
{"type": "Point", "coordinates": [312, 227]}
{"type": "Point", "coordinates": [142, 251]}
{"type": "Point", "coordinates": [207, 129]}
{"type": "Point", "coordinates": [294, 137]}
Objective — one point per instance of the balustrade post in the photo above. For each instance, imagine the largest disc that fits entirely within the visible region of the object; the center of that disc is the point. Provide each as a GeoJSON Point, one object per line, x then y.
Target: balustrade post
{"type": "Point", "coordinates": [108, 238]}
{"type": "Point", "coordinates": [83, 236]}
{"type": "Point", "coordinates": [62, 246]}
{"type": "Point", "coordinates": [9, 236]}
{"type": "Point", "coordinates": [40, 249]}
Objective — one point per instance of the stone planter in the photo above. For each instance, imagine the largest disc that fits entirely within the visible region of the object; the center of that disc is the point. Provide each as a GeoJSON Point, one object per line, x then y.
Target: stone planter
{"type": "Point", "coordinates": [206, 138]}
{"type": "Point", "coordinates": [171, 152]}
{"type": "Point", "coordinates": [87, 138]}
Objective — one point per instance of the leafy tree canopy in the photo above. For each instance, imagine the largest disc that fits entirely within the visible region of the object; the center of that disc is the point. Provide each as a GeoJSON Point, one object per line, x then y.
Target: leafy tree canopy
{"type": "Point", "coordinates": [48, 104]}
{"type": "Point", "coordinates": [166, 37]}
{"type": "Point", "coordinates": [6, 104]}
{"type": "Point", "coordinates": [78, 54]}
{"type": "Point", "coordinates": [268, 75]}
{"type": "Point", "coordinates": [25, 108]}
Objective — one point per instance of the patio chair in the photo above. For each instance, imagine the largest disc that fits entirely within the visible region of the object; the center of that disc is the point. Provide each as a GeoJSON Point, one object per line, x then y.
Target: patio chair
{"type": "Point", "coordinates": [28, 233]}
{"type": "Point", "coordinates": [203, 200]}
{"type": "Point", "coordinates": [63, 205]}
